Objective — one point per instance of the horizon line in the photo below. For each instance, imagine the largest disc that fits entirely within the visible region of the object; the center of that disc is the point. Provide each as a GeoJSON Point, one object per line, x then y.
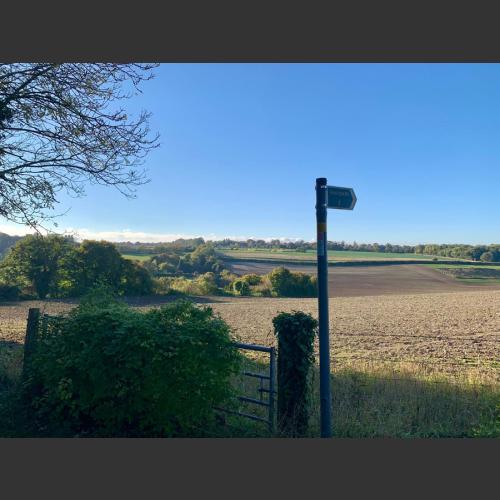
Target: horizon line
{"type": "Point", "coordinates": [129, 236]}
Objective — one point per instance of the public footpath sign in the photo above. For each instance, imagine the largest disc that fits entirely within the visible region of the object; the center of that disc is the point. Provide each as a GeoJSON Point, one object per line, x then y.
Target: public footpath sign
{"type": "Point", "coordinates": [340, 198]}
{"type": "Point", "coordinates": [343, 199]}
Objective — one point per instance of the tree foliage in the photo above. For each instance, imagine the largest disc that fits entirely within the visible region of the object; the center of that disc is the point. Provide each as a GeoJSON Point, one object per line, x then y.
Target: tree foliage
{"type": "Point", "coordinates": [9, 292]}
{"type": "Point", "coordinates": [61, 127]}
{"type": "Point", "coordinates": [6, 242]}
{"type": "Point", "coordinates": [468, 252]}
{"type": "Point", "coordinates": [285, 283]}
{"type": "Point", "coordinates": [458, 251]}
{"type": "Point", "coordinates": [204, 284]}
{"type": "Point", "coordinates": [35, 261]}
{"type": "Point", "coordinates": [92, 264]}
{"type": "Point", "coordinates": [57, 266]}
{"type": "Point", "coordinates": [202, 260]}
{"type": "Point", "coordinates": [241, 287]}
{"type": "Point", "coordinates": [182, 260]}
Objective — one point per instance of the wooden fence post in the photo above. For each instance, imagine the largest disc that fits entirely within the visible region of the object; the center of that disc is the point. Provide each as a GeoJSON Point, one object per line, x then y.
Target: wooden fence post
{"type": "Point", "coordinates": [31, 338]}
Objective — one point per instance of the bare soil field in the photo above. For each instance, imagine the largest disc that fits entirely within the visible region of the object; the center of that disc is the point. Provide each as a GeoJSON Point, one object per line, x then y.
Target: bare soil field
{"type": "Point", "coordinates": [445, 331]}
{"type": "Point", "coordinates": [356, 281]}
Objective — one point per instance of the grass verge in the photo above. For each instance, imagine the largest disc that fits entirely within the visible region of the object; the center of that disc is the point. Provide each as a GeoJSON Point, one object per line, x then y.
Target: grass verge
{"type": "Point", "coordinates": [369, 400]}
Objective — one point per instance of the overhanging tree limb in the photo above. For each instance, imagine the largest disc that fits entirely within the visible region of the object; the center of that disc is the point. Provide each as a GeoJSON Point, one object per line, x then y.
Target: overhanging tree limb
{"type": "Point", "coordinates": [60, 127]}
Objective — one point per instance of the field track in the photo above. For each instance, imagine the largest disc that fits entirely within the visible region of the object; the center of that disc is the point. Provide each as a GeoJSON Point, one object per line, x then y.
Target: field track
{"type": "Point", "coordinates": [355, 281]}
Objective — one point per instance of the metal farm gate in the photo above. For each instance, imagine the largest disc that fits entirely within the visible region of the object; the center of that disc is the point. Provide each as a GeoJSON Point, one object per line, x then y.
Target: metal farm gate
{"type": "Point", "coordinates": [258, 399]}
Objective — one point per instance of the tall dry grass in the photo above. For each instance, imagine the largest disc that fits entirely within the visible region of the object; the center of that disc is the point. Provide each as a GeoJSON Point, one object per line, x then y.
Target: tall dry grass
{"type": "Point", "coordinates": [398, 400]}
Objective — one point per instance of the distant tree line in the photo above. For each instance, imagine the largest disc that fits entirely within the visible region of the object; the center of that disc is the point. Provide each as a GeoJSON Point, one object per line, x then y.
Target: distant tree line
{"type": "Point", "coordinates": [58, 266]}
{"type": "Point", "coordinates": [483, 253]}
{"type": "Point", "coordinates": [168, 254]}
{"type": "Point", "coordinates": [139, 248]}
{"type": "Point", "coordinates": [302, 246]}
{"type": "Point", "coordinates": [486, 253]}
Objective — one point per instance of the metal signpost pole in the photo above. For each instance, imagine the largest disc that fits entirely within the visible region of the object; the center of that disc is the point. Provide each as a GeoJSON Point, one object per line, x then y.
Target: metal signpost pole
{"type": "Point", "coordinates": [340, 198]}
{"type": "Point", "coordinates": [324, 335]}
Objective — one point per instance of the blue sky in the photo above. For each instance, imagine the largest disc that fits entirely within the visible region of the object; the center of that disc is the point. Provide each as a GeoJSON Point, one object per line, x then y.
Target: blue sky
{"type": "Point", "coordinates": [242, 144]}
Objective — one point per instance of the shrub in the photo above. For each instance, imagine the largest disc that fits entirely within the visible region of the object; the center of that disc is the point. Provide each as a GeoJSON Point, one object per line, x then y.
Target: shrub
{"type": "Point", "coordinates": [241, 287]}
{"type": "Point", "coordinates": [135, 279]}
{"type": "Point", "coordinates": [248, 284]}
{"type": "Point", "coordinates": [162, 285]}
{"type": "Point", "coordinates": [252, 279]}
{"type": "Point", "coordinates": [487, 257]}
{"type": "Point", "coordinates": [202, 285]}
{"type": "Point", "coordinates": [202, 260]}
{"type": "Point", "coordinates": [264, 288]}
{"type": "Point", "coordinates": [183, 285]}
{"type": "Point", "coordinates": [167, 262]}
{"type": "Point", "coordinates": [295, 332]}
{"type": "Point", "coordinates": [226, 278]}
{"type": "Point", "coordinates": [305, 285]}
{"type": "Point", "coordinates": [262, 291]}
{"type": "Point", "coordinates": [285, 283]}
{"type": "Point", "coordinates": [9, 292]}
{"type": "Point", "coordinates": [109, 370]}
{"type": "Point", "coordinates": [207, 284]}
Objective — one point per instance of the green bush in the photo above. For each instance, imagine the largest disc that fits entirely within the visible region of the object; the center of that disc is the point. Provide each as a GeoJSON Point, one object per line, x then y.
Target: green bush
{"type": "Point", "coordinates": [95, 263]}
{"type": "Point", "coordinates": [162, 286]}
{"type": "Point", "coordinates": [262, 291]}
{"type": "Point", "coordinates": [135, 279]}
{"type": "Point", "coordinates": [246, 285]}
{"type": "Point", "coordinates": [285, 283]}
{"type": "Point", "coordinates": [109, 370]}
{"type": "Point", "coordinates": [252, 279]}
{"type": "Point", "coordinates": [202, 260]}
{"type": "Point", "coordinates": [241, 287]}
{"type": "Point", "coordinates": [35, 262]}
{"type": "Point", "coordinates": [225, 279]}
{"type": "Point", "coordinates": [207, 284]}
{"type": "Point", "coordinates": [9, 292]}
{"type": "Point", "coordinates": [204, 284]}
{"type": "Point", "coordinates": [264, 288]}
{"type": "Point", "coordinates": [487, 257]}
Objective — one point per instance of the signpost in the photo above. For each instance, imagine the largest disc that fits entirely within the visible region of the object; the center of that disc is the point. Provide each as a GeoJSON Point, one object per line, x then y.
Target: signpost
{"type": "Point", "coordinates": [340, 198]}
{"type": "Point", "coordinates": [343, 199]}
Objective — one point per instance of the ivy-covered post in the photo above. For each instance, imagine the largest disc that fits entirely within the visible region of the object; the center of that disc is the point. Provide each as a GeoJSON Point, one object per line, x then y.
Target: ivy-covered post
{"type": "Point", "coordinates": [295, 332]}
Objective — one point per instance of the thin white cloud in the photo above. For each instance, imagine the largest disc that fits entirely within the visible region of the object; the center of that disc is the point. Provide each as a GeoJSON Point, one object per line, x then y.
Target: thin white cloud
{"type": "Point", "coordinates": [145, 237]}
{"type": "Point", "coordinates": [135, 236]}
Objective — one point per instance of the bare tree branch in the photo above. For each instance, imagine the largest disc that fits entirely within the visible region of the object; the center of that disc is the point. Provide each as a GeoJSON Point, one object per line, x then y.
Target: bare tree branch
{"type": "Point", "coordinates": [60, 128]}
